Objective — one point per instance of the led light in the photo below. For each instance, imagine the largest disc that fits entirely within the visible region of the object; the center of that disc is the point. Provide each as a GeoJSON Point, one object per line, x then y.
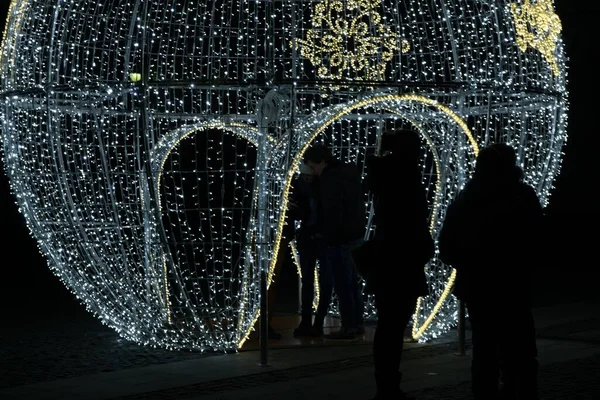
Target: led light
{"type": "Point", "coordinates": [538, 27]}
{"type": "Point", "coordinates": [160, 205]}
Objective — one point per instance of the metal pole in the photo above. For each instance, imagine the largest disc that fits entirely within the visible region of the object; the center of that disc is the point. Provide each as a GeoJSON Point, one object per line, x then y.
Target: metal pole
{"type": "Point", "coordinates": [487, 120]}
{"type": "Point", "coordinates": [262, 248]}
{"type": "Point", "coordinates": [461, 328]}
{"type": "Point", "coordinates": [262, 159]}
{"type": "Point", "coordinates": [264, 317]}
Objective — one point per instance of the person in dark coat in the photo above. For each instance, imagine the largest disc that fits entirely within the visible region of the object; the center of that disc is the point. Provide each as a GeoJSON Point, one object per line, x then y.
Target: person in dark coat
{"type": "Point", "coordinates": [492, 236]}
{"type": "Point", "coordinates": [342, 224]}
{"type": "Point", "coordinates": [397, 277]}
{"type": "Point", "coordinates": [304, 207]}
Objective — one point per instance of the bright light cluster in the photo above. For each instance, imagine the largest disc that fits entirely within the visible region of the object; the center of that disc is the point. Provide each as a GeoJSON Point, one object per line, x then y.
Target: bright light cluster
{"type": "Point", "coordinates": [349, 42]}
{"type": "Point", "coordinates": [538, 26]}
{"type": "Point", "coordinates": [151, 145]}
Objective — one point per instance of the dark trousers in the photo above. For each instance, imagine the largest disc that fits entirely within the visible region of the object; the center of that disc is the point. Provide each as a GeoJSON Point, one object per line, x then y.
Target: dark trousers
{"type": "Point", "coordinates": [504, 349]}
{"type": "Point", "coordinates": [310, 249]}
{"type": "Point", "coordinates": [393, 315]}
{"type": "Point", "coordinates": [346, 283]}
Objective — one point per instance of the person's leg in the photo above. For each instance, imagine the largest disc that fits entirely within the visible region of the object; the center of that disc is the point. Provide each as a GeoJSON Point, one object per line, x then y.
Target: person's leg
{"type": "Point", "coordinates": [344, 287]}
{"type": "Point", "coordinates": [340, 284]}
{"type": "Point", "coordinates": [355, 286]}
{"type": "Point", "coordinates": [518, 355]}
{"type": "Point", "coordinates": [393, 316]}
{"type": "Point", "coordinates": [307, 253]}
{"type": "Point", "coordinates": [485, 364]}
{"type": "Point", "coordinates": [325, 286]}
{"type": "Point", "coordinates": [308, 258]}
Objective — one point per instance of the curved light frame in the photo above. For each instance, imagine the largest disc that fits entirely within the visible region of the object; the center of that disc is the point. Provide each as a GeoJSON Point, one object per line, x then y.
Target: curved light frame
{"type": "Point", "coordinates": [57, 78]}
{"type": "Point", "coordinates": [160, 153]}
{"type": "Point", "coordinates": [339, 111]}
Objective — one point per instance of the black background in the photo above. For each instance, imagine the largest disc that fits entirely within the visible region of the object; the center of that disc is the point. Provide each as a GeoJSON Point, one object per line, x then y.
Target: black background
{"type": "Point", "coordinates": [29, 289]}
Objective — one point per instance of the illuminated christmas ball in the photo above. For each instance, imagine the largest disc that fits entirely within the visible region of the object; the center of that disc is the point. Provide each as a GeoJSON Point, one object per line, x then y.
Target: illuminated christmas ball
{"type": "Point", "coordinates": [151, 145]}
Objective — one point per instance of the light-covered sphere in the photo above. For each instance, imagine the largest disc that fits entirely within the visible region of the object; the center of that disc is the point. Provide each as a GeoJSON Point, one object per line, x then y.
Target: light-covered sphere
{"type": "Point", "coordinates": [150, 145]}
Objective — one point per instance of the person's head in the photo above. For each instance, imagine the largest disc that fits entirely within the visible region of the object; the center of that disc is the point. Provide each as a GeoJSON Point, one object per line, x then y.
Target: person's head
{"type": "Point", "coordinates": [405, 143]}
{"type": "Point", "coordinates": [306, 172]}
{"type": "Point", "coordinates": [509, 160]}
{"type": "Point", "coordinates": [507, 154]}
{"type": "Point", "coordinates": [317, 157]}
{"type": "Point", "coordinates": [497, 160]}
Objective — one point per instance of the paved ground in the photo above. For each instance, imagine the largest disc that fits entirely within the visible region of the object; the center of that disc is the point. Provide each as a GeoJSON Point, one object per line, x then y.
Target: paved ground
{"type": "Point", "coordinates": [569, 343]}
{"type": "Point", "coordinates": [66, 346]}
{"type": "Point", "coordinates": [72, 356]}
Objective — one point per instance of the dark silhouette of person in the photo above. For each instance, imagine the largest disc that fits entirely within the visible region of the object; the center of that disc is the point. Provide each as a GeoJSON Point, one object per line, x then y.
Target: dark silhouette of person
{"type": "Point", "coordinates": [311, 247]}
{"type": "Point", "coordinates": [405, 245]}
{"type": "Point", "coordinates": [492, 236]}
{"type": "Point", "coordinates": [342, 221]}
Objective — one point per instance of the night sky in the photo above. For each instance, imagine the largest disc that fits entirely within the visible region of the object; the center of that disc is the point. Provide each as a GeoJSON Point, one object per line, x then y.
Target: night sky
{"type": "Point", "coordinates": [28, 287]}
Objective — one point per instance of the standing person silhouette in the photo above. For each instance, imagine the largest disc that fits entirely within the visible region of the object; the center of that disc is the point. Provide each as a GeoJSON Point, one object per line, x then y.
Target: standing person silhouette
{"type": "Point", "coordinates": [304, 206]}
{"type": "Point", "coordinates": [342, 221]}
{"type": "Point", "coordinates": [492, 237]}
{"type": "Point", "coordinates": [397, 276]}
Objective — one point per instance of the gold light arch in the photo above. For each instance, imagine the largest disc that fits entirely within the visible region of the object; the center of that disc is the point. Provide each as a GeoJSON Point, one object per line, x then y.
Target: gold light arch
{"type": "Point", "coordinates": [375, 101]}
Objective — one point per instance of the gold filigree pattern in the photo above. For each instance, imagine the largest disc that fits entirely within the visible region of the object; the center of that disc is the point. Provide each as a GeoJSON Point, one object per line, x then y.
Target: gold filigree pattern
{"type": "Point", "coordinates": [538, 27]}
{"type": "Point", "coordinates": [349, 41]}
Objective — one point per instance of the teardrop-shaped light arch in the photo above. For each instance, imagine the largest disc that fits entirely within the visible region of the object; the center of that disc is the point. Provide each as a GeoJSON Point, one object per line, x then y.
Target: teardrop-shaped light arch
{"type": "Point", "coordinates": [316, 124]}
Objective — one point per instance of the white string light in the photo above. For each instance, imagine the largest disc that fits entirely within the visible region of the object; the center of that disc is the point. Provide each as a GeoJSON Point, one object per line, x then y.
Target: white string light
{"type": "Point", "coordinates": [135, 133]}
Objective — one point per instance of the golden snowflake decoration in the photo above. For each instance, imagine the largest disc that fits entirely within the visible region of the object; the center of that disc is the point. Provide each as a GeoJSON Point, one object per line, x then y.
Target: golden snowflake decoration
{"type": "Point", "coordinates": [538, 27]}
{"type": "Point", "coordinates": [348, 41]}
